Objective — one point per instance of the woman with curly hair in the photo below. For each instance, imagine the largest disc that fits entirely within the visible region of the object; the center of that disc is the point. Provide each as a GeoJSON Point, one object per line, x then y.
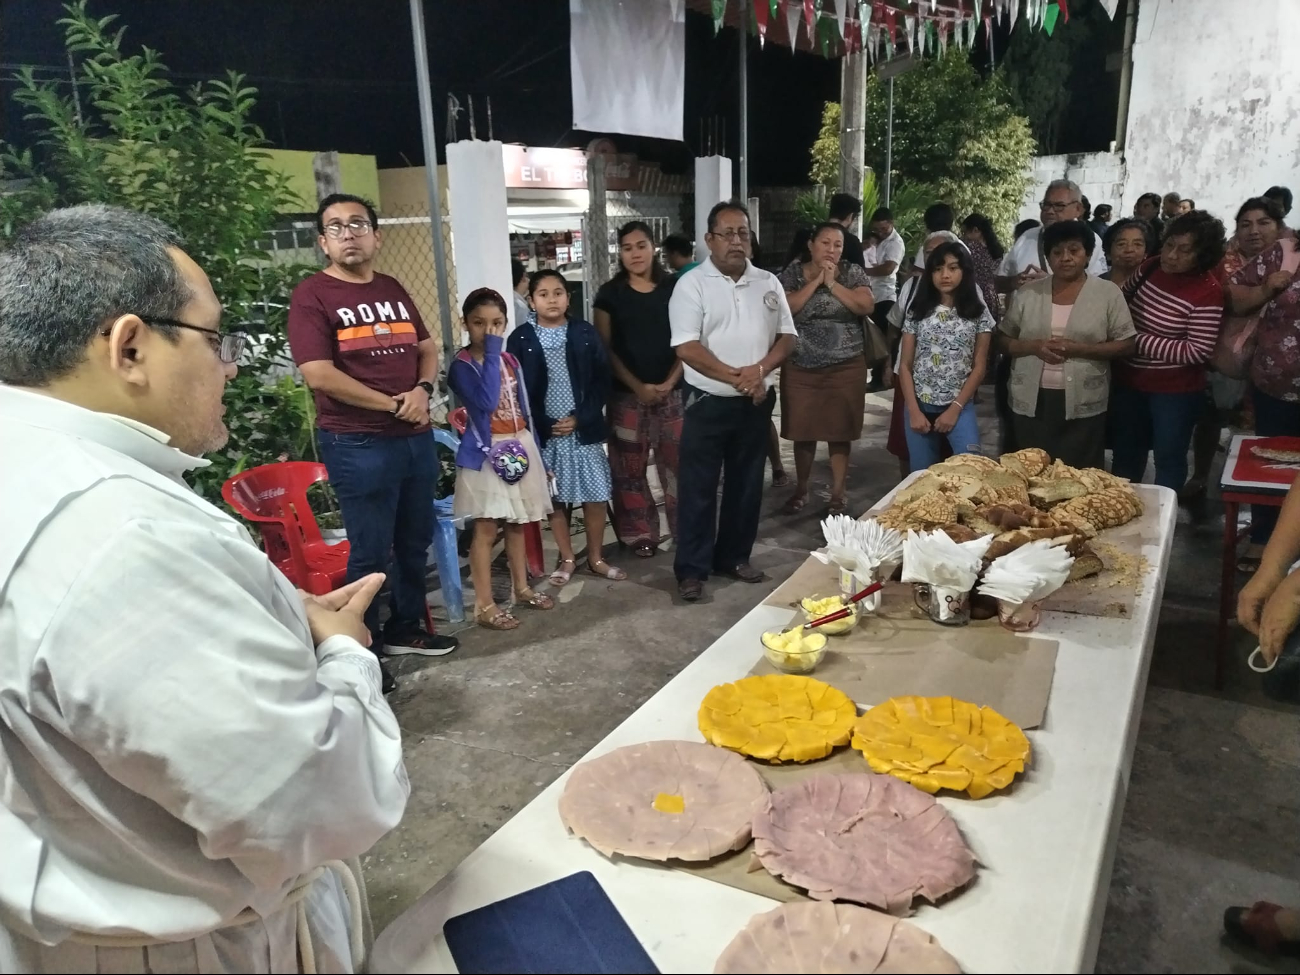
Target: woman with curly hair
{"type": "Point", "coordinates": [1177, 308]}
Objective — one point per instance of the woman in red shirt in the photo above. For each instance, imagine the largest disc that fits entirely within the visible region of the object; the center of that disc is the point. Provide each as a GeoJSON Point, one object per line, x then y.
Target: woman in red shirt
{"type": "Point", "coordinates": [1177, 308]}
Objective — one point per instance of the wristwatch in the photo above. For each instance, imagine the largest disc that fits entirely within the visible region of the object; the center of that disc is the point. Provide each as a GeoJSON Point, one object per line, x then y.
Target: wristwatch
{"type": "Point", "coordinates": [425, 385]}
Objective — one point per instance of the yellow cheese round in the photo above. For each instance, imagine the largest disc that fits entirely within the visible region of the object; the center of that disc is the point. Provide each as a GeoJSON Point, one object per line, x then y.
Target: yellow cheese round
{"type": "Point", "coordinates": [939, 743]}
{"type": "Point", "coordinates": [777, 717]}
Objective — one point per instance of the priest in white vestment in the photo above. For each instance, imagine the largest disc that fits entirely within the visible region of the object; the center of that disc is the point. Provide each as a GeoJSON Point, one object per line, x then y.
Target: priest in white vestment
{"type": "Point", "coordinates": [190, 749]}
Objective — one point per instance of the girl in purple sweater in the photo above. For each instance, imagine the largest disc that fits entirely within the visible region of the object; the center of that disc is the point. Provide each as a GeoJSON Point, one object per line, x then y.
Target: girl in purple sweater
{"type": "Point", "coordinates": [500, 477]}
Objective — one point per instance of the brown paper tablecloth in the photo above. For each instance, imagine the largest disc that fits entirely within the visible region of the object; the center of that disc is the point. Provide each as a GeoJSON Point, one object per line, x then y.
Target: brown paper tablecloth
{"type": "Point", "coordinates": [899, 651]}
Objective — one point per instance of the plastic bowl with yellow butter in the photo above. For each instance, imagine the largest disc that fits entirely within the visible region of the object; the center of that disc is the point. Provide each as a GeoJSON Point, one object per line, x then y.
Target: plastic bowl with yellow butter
{"type": "Point", "coordinates": [794, 652]}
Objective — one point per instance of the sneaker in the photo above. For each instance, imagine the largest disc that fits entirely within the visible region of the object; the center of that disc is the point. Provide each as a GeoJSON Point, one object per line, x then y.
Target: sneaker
{"type": "Point", "coordinates": [420, 642]}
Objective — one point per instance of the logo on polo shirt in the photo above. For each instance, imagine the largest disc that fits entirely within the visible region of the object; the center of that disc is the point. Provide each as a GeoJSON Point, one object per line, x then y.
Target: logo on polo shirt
{"type": "Point", "coordinates": [770, 299]}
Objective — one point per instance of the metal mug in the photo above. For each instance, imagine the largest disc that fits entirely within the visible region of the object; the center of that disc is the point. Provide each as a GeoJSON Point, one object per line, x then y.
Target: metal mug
{"type": "Point", "coordinates": [949, 607]}
{"type": "Point", "coordinates": [1019, 617]}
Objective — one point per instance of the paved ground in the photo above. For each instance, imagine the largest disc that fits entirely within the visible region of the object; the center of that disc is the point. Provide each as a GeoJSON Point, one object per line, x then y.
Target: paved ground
{"type": "Point", "coordinates": [1213, 812]}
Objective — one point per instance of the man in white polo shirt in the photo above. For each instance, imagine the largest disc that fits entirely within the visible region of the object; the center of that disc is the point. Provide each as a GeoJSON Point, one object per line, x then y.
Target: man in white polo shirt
{"type": "Point", "coordinates": [732, 328]}
{"type": "Point", "coordinates": [1025, 261]}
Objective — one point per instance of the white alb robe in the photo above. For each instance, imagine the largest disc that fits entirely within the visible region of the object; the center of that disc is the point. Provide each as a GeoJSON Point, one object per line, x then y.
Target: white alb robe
{"type": "Point", "coordinates": [173, 749]}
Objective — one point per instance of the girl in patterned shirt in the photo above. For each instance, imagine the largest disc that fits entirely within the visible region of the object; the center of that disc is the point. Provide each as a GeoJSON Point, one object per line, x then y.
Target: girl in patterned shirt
{"type": "Point", "coordinates": [946, 338]}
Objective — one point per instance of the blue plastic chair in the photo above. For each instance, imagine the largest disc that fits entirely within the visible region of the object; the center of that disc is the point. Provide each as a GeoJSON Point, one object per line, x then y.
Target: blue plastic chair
{"type": "Point", "coordinates": [443, 550]}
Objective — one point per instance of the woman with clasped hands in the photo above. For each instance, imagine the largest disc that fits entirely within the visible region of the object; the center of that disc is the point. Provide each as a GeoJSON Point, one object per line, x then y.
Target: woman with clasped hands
{"type": "Point", "coordinates": [1062, 331]}
{"type": "Point", "coordinates": [823, 385]}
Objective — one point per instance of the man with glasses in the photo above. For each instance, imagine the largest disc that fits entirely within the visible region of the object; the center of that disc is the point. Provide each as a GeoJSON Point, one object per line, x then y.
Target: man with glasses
{"type": "Point", "coordinates": [358, 338]}
{"type": "Point", "coordinates": [1025, 261]}
{"type": "Point", "coordinates": [188, 745]}
{"type": "Point", "coordinates": [732, 328]}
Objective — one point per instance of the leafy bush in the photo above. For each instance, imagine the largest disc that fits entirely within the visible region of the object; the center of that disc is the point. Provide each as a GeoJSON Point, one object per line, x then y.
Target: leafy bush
{"type": "Point", "coordinates": [957, 138]}
{"type": "Point", "coordinates": [189, 157]}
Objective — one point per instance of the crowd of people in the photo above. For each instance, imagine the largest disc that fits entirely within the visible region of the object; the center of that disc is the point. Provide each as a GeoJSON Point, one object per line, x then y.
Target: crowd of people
{"type": "Point", "coordinates": [1097, 335]}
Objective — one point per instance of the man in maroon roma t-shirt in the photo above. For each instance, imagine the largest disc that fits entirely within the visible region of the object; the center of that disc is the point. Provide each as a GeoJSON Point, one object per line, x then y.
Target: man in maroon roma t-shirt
{"type": "Point", "coordinates": [362, 348]}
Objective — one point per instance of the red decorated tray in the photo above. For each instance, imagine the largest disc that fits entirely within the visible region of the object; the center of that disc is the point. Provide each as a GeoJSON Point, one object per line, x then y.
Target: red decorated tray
{"type": "Point", "coordinates": [1271, 467]}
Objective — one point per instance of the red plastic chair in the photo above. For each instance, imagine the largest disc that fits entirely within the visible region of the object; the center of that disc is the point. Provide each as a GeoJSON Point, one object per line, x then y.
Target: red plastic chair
{"type": "Point", "coordinates": [274, 497]}
{"type": "Point", "coordinates": [536, 559]}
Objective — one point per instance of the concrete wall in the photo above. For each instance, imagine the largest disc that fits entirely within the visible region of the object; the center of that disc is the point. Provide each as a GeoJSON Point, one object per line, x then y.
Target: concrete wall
{"type": "Point", "coordinates": [1099, 174]}
{"type": "Point", "coordinates": [1215, 110]}
{"type": "Point", "coordinates": [358, 174]}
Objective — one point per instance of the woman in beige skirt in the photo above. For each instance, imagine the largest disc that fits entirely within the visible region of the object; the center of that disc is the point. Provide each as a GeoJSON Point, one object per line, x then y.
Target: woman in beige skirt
{"type": "Point", "coordinates": [500, 476]}
{"type": "Point", "coordinates": [824, 384]}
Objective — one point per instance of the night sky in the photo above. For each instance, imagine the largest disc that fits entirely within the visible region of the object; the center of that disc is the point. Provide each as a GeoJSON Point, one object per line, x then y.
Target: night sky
{"type": "Point", "coordinates": [338, 74]}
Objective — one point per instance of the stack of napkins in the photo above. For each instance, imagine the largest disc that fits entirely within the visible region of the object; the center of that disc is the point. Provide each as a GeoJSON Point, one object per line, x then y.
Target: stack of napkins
{"type": "Point", "coordinates": [864, 552]}
{"type": "Point", "coordinates": [936, 560]}
{"type": "Point", "coordinates": [1029, 574]}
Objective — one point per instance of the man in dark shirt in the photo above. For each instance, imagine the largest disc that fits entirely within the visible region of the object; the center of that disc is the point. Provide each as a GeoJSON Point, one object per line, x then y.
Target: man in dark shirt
{"type": "Point", "coordinates": [844, 210]}
{"type": "Point", "coordinates": [358, 338]}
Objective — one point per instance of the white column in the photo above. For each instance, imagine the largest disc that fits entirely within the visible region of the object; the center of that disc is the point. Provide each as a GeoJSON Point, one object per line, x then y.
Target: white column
{"type": "Point", "coordinates": [480, 230]}
{"type": "Point", "coordinates": [712, 186]}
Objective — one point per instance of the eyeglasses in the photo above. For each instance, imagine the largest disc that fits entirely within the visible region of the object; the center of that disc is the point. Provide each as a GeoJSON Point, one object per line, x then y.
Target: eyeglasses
{"type": "Point", "coordinates": [358, 227]}
{"type": "Point", "coordinates": [1057, 207]}
{"type": "Point", "coordinates": [229, 346]}
{"type": "Point", "coordinates": [730, 235]}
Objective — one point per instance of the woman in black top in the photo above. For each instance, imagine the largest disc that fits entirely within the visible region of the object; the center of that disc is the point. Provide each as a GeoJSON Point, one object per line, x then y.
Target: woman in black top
{"type": "Point", "coordinates": [645, 408]}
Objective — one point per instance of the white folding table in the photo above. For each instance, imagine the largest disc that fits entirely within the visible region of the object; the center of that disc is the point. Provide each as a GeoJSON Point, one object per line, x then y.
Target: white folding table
{"type": "Point", "coordinates": [1046, 847]}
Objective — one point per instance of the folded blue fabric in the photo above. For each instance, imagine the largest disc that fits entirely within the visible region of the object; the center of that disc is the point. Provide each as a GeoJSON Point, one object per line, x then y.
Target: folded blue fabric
{"type": "Point", "coordinates": [567, 926]}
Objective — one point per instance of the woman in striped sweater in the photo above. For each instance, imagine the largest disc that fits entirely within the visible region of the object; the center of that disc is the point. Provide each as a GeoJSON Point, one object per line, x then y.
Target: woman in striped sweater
{"type": "Point", "coordinates": [1177, 308]}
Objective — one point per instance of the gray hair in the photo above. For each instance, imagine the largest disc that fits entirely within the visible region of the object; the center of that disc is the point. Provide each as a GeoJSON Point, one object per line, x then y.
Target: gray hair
{"type": "Point", "coordinates": [70, 271]}
{"type": "Point", "coordinates": [944, 235]}
{"type": "Point", "coordinates": [1065, 184]}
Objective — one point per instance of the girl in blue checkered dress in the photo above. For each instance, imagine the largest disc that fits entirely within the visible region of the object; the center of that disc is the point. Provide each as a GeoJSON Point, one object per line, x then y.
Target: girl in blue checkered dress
{"type": "Point", "coordinates": [567, 373]}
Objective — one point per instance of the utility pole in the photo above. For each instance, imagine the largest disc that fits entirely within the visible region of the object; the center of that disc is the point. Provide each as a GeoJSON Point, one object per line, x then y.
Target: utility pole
{"type": "Point", "coordinates": [449, 345]}
{"type": "Point", "coordinates": [853, 121]}
{"type": "Point", "coordinates": [743, 152]}
{"type": "Point", "coordinates": [889, 145]}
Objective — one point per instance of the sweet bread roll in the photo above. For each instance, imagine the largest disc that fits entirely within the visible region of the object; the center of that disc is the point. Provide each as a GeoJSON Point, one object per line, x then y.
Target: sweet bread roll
{"type": "Point", "coordinates": [1010, 541]}
{"type": "Point", "coordinates": [1030, 461]}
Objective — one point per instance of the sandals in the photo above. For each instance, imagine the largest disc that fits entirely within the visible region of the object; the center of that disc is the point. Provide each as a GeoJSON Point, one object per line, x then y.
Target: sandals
{"type": "Point", "coordinates": [606, 571]}
{"type": "Point", "coordinates": [838, 506]}
{"type": "Point", "coordinates": [780, 478]}
{"type": "Point", "coordinates": [644, 550]}
{"type": "Point", "coordinates": [560, 577]}
{"type": "Point", "coordinates": [1257, 927]}
{"type": "Point", "coordinates": [494, 617]}
{"type": "Point", "coordinates": [537, 600]}
{"type": "Point", "coordinates": [794, 505]}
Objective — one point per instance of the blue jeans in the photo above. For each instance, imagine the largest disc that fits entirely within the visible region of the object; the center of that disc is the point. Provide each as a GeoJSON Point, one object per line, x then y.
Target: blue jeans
{"type": "Point", "coordinates": [923, 449]}
{"type": "Point", "coordinates": [1159, 423]}
{"type": "Point", "coordinates": [385, 487]}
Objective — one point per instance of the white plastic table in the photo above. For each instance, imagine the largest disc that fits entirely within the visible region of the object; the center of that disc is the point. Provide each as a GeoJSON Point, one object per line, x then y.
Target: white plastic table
{"type": "Point", "coordinates": [1046, 848]}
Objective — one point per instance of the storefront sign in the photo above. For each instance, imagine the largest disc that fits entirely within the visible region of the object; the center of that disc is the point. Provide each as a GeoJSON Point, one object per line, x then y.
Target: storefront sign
{"type": "Point", "coordinates": [529, 167]}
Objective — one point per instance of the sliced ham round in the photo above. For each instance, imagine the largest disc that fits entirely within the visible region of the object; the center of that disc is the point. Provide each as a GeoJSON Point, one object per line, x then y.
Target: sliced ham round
{"type": "Point", "coordinates": [868, 838]}
{"type": "Point", "coordinates": [821, 937]}
{"type": "Point", "coordinates": [663, 800]}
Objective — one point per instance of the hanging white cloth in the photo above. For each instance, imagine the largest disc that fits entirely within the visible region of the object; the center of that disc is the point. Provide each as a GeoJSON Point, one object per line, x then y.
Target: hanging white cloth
{"type": "Point", "coordinates": [628, 67]}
